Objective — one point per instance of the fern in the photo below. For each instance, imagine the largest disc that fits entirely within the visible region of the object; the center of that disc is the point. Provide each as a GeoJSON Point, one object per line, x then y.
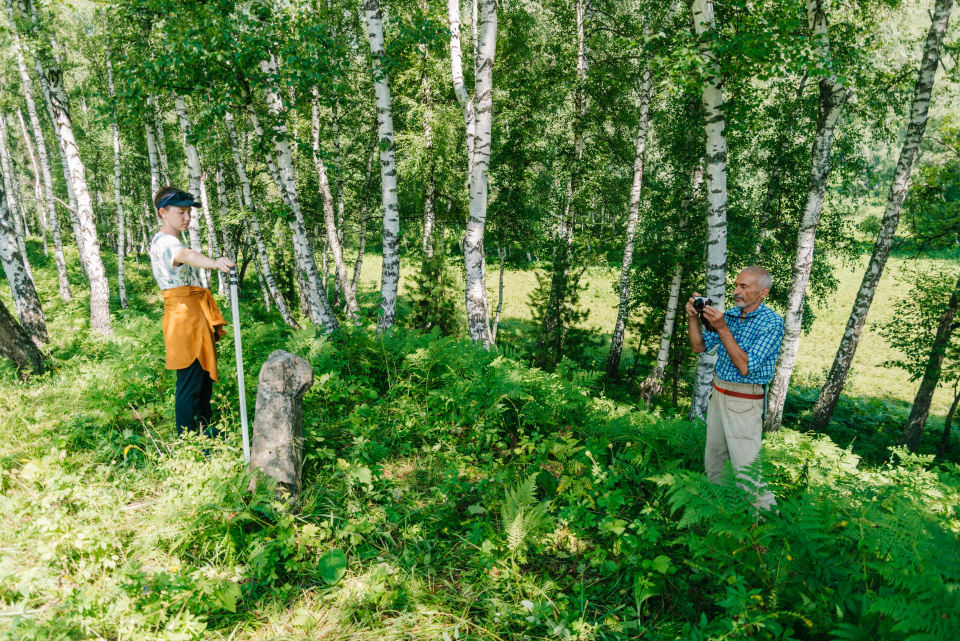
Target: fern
{"type": "Point", "coordinates": [521, 514]}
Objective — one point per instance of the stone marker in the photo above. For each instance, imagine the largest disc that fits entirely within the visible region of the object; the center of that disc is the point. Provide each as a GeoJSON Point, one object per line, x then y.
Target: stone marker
{"type": "Point", "coordinates": [276, 447]}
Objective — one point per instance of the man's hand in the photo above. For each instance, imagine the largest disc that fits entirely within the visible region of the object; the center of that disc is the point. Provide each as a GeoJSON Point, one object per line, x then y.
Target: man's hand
{"type": "Point", "coordinates": [691, 310]}
{"type": "Point", "coordinates": [715, 316]}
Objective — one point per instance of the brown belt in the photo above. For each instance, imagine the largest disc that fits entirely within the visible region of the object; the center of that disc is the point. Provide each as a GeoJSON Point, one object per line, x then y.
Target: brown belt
{"type": "Point", "coordinates": [753, 397]}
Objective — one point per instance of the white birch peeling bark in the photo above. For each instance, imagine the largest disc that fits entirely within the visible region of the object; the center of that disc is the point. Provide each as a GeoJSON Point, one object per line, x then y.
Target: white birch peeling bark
{"type": "Point", "coordinates": [254, 225]}
{"type": "Point", "coordinates": [333, 241]}
{"type": "Point", "coordinates": [121, 223]}
{"type": "Point", "coordinates": [456, 72]}
{"type": "Point", "coordinates": [71, 195]}
{"type": "Point", "coordinates": [89, 242]}
{"type": "Point", "coordinates": [390, 276]}
{"type": "Point", "coordinates": [917, 124]}
{"type": "Point", "coordinates": [716, 185]}
{"type": "Point", "coordinates": [12, 189]}
{"type": "Point", "coordinates": [833, 97]}
{"type": "Point", "coordinates": [633, 216]}
{"type": "Point", "coordinates": [194, 171]}
{"type": "Point", "coordinates": [24, 293]}
{"type": "Point", "coordinates": [478, 321]}
{"type": "Point", "coordinates": [280, 163]}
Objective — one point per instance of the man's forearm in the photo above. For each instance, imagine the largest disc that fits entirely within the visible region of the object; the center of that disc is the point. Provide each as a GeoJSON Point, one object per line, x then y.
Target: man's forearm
{"type": "Point", "coordinates": [695, 335]}
{"type": "Point", "coordinates": [739, 357]}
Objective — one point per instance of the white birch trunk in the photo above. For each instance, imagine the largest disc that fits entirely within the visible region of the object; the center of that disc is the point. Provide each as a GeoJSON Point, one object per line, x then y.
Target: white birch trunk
{"type": "Point", "coordinates": [24, 293]}
{"type": "Point", "coordinates": [71, 194]}
{"type": "Point", "coordinates": [228, 249]}
{"type": "Point", "coordinates": [496, 319]}
{"type": "Point", "coordinates": [44, 158]}
{"type": "Point", "coordinates": [833, 96]}
{"type": "Point", "coordinates": [121, 223]}
{"type": "Point", "coordinates": [390, 276]}
{"type": "Point", "coordinates": [12, 190]}
{"type": "Point", "coordinates": [333, 241]}
{"type": "Point", "coordinates": [194, 171]}
{"type": "Point", "coordinates": [830, 394]}
{"type": "Point", "coordinates": [314, 302]}
{"type": "Point", "coordinates": [456, 72]}
{"type": "Point", "coordinates": [88, 241]}
{"type": "Point", "coordinates": [254, 226]}
{"type": "Point", "coordinates": [253, 250]}
{"type": "Point", "coordinates": [161, 141]}
{"type": "Point", "coordinates": [152, 153]}
{"type": "Point", "coordinates": [429, 204]}
{"type": "Point", "coordinates": [478, 321]}
{"type": "Point", "coordinates": [633, 216]}
{"type": "Point", "coordinates": [716, 182]}
{"type": "Point", "coordinates": [212, 245]}
{"type": "Point", "coordinates": [37, 179]}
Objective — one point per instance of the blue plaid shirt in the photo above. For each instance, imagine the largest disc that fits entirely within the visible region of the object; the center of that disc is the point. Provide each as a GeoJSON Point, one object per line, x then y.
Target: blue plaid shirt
{"type": "Point", "coordinates": [759, 335]}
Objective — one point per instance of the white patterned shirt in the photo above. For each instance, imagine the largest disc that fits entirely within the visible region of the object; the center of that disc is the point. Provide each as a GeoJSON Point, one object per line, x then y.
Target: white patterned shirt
{"type": "Point", "coordinates": [163, 248]}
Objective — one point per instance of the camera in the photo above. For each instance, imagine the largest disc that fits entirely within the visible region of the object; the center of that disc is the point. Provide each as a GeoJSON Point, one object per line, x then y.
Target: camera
{"type": "Point", "coordinates": [700, 302]}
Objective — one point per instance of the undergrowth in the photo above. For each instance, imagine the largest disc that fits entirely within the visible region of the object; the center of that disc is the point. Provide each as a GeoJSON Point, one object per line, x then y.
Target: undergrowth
{"type": "Point", "coordinates": [449, 493]}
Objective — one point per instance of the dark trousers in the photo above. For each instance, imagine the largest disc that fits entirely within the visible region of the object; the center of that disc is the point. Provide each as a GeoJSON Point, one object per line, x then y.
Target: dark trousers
{"type": "Point", "coordinates": [192, 404]}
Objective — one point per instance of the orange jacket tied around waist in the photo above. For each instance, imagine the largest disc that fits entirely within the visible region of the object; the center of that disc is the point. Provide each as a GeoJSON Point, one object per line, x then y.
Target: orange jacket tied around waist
{"type": "Point", "coordinates": [192, 323]}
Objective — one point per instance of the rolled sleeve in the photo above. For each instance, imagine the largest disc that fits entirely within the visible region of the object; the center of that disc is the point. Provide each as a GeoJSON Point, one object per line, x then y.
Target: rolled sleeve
{"type": "Point", "coordinates": [710, 339]}
{"type": "Point", "coordinates": [765, 347]}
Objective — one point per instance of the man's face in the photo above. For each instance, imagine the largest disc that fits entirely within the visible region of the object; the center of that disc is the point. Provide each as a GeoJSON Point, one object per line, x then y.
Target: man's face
{"type": "Point", "coordinates": [177, 217]}
{"type": "Point", "coordinates": [747, 293]}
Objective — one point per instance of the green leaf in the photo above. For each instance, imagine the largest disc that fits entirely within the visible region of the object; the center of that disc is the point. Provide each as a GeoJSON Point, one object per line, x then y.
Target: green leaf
{"type": "Point", "coordinates": [661, 564]}
{"type": "Point", "coordinates": [332, 566]}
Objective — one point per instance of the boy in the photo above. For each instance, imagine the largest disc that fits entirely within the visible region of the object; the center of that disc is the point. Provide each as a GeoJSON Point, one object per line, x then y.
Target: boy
{"type": "Point", "coordinates": [192, 322]}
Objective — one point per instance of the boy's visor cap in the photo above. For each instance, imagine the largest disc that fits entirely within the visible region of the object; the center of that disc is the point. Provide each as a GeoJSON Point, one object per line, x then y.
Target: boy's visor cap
{"type": "Point", "coordinates": [178, 199]}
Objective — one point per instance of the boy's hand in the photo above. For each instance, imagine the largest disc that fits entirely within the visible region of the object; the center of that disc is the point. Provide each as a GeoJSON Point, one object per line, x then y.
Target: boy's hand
{"type": "Point", "coordinates": [224, 264]}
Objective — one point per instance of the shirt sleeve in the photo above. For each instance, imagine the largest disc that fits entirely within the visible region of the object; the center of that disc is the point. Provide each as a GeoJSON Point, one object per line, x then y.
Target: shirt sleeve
{"type": "Point", "coordinates": [764, 344]}
{"type": "Point", "coordinates": [167, 248]}
{"type": "Point", "coordinates": [710, 339]}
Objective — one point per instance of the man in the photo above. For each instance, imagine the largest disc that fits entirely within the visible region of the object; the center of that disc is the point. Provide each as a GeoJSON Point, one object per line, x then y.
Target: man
{"type": "Point", "coordinates": [747, 338]}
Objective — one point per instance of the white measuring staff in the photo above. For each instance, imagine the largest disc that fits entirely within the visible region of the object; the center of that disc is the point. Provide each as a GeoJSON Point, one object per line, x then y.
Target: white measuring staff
{"type": "Point", "coordinates": [239, 348]}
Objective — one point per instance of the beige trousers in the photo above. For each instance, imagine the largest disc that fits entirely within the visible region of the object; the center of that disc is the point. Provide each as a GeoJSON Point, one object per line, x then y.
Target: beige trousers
{"type": "Point", "coordinates": [734, 427]}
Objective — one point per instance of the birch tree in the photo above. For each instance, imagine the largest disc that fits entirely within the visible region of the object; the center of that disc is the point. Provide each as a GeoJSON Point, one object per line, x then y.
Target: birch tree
{"type": "Point", "coordinates": [623, 311]}
{"type": "Point", "coordinates": [254, 224]}
{"type": "Point", "coordinates": [715, 174]}
{"type": "Point", "coordinates": [153, 156]}
{"type": "Point", "coordinates": [194, 171]}
{"type": "Point", "coordinates": [16, 345]}
{"type": "Point", "coordinates": [833, 97]}
{"type": "Point", "coordinates": [12, 190]}
{"type": "Point", "coordinates": [916, 125]}
{"type": "Point", "coordinates": [456, 72]}
{"type": "Point", "coordinates": [52, 76]}
{"type": "Point", "coordinates": [652, 385]}
{"type": "Point", "coordinates": [478, 321]}
{"type": "Point", "coordinates": [21, 285]}
{"type": "Point", "coordinates": [121, 222]}
{"type": "Point", "coordinates": [390, 275]}
{"type": "Point", "coordinates": [333, 240]}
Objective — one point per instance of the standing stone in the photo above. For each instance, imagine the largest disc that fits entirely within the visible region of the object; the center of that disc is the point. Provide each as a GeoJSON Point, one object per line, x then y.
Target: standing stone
{"type": "Point", "coordinates": [276, 447]}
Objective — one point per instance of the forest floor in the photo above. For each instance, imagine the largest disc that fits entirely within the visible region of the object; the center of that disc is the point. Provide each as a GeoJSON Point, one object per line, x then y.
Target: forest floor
{"type": "Point", "coordinates": [450, 493]}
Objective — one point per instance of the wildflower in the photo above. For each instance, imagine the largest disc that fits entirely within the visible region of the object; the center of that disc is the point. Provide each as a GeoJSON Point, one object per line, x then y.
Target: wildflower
{"type": "Point", "coordinates": [843, 524]}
